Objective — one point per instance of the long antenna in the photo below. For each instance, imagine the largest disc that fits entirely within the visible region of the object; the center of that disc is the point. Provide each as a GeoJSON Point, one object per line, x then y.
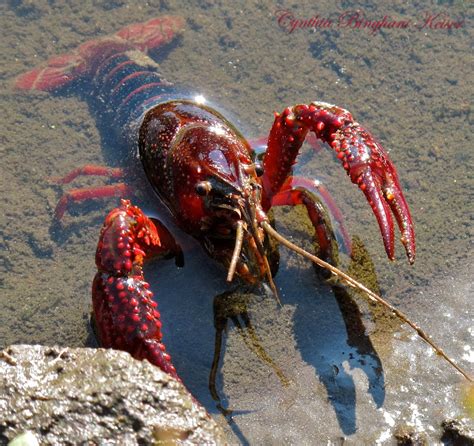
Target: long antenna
{"type": "Point", "coordinates": [374, 297]}
{"type": "Point", "coordinates": [237, 248]}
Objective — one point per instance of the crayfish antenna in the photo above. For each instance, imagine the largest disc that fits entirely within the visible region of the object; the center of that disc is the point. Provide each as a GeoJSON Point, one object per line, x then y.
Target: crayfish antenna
{"type": "Point", "coordinates": [373, 296]}
{"type": "Point", "coordinates": [237, 249]}
{"type": "Point", "coordinates": [273, 287]}
{"type": "Point", "coordinates": [239, 237]}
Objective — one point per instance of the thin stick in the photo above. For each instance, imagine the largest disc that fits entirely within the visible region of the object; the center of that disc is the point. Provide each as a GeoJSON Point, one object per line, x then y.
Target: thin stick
{"type": "Point", "coordinates": [354, 283]}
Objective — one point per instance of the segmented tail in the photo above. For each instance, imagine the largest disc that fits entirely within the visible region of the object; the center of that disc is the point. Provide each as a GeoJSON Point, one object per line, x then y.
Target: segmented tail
{"type": "Point", "coordinates": [61, 70]}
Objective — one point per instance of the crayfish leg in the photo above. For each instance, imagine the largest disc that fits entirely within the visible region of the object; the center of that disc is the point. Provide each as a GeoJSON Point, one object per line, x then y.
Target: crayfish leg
{"type": "Point", "coordinates": [89, 170]}
{"type": "Point", "coordinates": [314, 196]}
{"type": "Point", "coordinates": [120, 190]}
{"type": "Point", "coordinates": [293, 195]}
{"type": "Point", "coordinates": [81, 194]}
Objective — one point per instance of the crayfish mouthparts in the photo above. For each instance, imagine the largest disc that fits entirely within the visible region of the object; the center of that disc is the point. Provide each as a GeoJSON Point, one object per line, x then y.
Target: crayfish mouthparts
{"type": "Point", "coordinates": [253, 236]}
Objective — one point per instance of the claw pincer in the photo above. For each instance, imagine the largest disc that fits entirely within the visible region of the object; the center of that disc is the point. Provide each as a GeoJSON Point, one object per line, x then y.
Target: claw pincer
{"type": "Point", "coordinates": [126, 316]}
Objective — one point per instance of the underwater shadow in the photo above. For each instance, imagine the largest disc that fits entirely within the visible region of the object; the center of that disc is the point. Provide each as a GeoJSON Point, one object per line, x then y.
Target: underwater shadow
{"type": "Point", "coordinates": [331, 336]}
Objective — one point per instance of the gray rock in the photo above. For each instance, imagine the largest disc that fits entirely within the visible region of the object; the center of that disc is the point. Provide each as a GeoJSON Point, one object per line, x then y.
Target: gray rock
{"type": "Point", "coordinates": [457, 432]}
{"type": "Point", "coordinates": [96, 396]}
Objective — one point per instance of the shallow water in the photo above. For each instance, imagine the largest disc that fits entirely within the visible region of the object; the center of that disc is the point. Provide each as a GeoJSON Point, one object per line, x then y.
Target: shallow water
{"type": "Point", "coordinates": [328, 373]}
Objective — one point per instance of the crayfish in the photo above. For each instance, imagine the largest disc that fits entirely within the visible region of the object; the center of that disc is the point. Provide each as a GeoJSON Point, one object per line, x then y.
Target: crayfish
{"type": "Point", "coordinates": [209, 177]}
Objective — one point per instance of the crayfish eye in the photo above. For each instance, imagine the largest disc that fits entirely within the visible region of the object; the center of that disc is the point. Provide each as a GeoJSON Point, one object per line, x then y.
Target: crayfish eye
{"type": "Point", "coordinates": [203, 188]}
{"type": "Point", "coordinates": [258, 169]}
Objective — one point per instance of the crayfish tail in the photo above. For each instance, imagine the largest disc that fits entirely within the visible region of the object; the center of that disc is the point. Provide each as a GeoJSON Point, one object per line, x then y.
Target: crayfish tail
{"type": "Point", "coordinates": [83, 62]}
{"type": "Point", "coordinates": [152, 34]}
{"type": "Point", "coordinates": [56, 73]}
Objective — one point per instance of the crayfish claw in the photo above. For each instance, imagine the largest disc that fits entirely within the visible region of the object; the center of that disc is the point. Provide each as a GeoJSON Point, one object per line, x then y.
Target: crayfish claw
{"type": "Point", "coordinates": [125, 314]}
{"type": "Point", "coordinates": [362, 157]}
{"type": "Point", "coordinates": [370, 167]}
{"type": "Point", "coordinates": [370, 186]}
{"type": "Point", "coordinates": [399, 207]}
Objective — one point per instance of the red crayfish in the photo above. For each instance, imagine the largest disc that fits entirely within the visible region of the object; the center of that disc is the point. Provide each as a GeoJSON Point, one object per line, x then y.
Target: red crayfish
{"type": "Point", "coordinates": [207, 174]}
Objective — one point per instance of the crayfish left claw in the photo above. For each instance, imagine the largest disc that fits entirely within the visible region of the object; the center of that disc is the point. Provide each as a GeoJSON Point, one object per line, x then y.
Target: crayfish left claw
{"type": "Point", "coordinates": [399, 207]}
{"type": "Point", "coordinates": [363, 158]}
{"type": "Point", "coordinates": [370, 167]}
{"type": "Point", "coordinates": [370, 185]}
